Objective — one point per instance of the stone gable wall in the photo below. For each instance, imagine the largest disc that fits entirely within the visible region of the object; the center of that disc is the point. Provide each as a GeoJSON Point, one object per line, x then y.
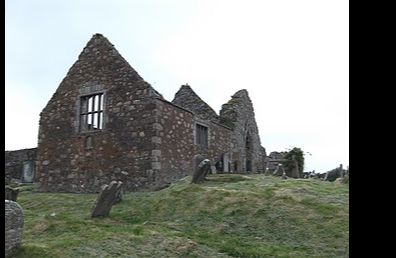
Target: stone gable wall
{"type": "Point", "coordinates": [238, 114]}
{"type": "Point", "coordinates": [187, 98]}
{"type": "Point", "coordinates": [122, 150]}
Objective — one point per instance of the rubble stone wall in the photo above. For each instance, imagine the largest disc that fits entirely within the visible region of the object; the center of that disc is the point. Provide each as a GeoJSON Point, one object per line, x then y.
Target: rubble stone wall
{"type": "Point", "coordinates": [238, 113]}
{"type": "Point", "coordinates": [14, 160]}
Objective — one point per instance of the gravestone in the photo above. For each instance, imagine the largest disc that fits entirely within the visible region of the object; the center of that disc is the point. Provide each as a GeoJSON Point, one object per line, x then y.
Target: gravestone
{"type": "Point", "coordinates": [28, 172]}
{"type": "Point", "coordinates": [197, 159]}
{"type": "Point", "coordinates": [312, 174]}
{"type": "Point", "coordinates": [13, 227]}
{"type": "Point", "coordinates": [332, 175]}
{"type": "Point", "coordinates": [226, 163]}
{"type": "Point", "coordinates": [107, 197]}
{"type": "Point", "coordinates": [213, 170]}
{"type": "Point", "coordinates": [11, 193]}
{"type": "Point", "coordinates": [201, 168]}
{"type": "Point", "coordinates": [279, 170]}
{"type": "Point", "coordinates": [345, 178]}
{"type": "Point", "coordinates": [120, 195]}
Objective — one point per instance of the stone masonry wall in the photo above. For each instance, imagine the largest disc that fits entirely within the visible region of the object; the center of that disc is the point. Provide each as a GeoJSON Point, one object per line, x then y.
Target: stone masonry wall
{"type": "Point", "coordinates": [14, 161]}
{"type": "Point", "coordinates": [239, 124]}
{"type": "Point", "coordinates": [121, 150]}
{"type": "Point", "coordinates": [178, 147]}
{"type": "Point", "coordinates": [175, 149]}
{"type": "Point", "coordinates": [220, 142]}
{"type": "Point", "coordinates": [13, 227]}
{"type": "Point", "coordinates": [238, 114]}
{"type": "Point", "coordinates": [219, 137]}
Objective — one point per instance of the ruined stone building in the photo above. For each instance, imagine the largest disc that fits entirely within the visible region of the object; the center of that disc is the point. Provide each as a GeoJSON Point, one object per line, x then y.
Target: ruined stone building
{"type": "Point", "coordinates": [104, 122]}
{"type": "Point", "coordinates": [273, 160]}
{"type": "Point", "coordinates": [19, 165]}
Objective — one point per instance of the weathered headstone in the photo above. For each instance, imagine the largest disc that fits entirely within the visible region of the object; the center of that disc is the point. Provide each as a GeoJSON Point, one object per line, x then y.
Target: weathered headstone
{"type": "Point", "coordinates": [279, 170]}
{"type": "Point", "coordinates": [28, 172]}
{"type": "Point", "coordinates": [11, 193]}
{"type": "Point", "coordinates": [345, 178]}
{"type": "Point", "coordinates": [266, 164]}
{"type": "Point", "coordinates": [213, 170]}
{"type": "Point", "coordinates": [312, 174]}
{"type": "Point", "coordinates": [201, 168]}
{"type": "Point", "coordinates": [119, 195]}
{"type": "Point", "coordinates": [13, 227]}
{"type": "Point", "coordinates": [332, 175]}
{"type": "Point", "coordinates": [106, 199]}
{"type": "Point", "coordinates": [267, 171]}
{"type": "Point", "coordinates": [197, 159]}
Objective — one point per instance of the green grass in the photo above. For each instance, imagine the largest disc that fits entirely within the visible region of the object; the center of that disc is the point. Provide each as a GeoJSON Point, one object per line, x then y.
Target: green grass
{"type": "Point", "coordinates": [227, 216]}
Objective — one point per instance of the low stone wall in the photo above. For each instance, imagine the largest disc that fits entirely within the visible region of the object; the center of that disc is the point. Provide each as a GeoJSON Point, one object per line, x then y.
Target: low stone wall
{"type": "Point", "coordinates": [13, 227]}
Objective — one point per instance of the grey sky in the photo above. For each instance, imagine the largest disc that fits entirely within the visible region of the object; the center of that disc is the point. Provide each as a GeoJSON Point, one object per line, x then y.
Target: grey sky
{"type": "Point", "coordinates": [291, 56]}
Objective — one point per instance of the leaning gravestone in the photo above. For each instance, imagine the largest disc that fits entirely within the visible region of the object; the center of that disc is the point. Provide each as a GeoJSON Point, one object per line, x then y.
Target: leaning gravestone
{"type": "Point", "coordinates": [13, 227]}
{"type": "Point", "coordinates": [120, 195]}
{"type": "Point", "coordinates": [201, 168]}
{"type": "Point", "coordinates": [332, 175]}
{"type": "Point", "coordinates": [279, 170]}
{"type": "Point", "coordinates": [11, 193]}
{"type": "Point", "coordinates": [345, 178]}
{"type": "Point", "coordinates": [197, 159]}
{"type": "Point", "coordinates": [107, 197]}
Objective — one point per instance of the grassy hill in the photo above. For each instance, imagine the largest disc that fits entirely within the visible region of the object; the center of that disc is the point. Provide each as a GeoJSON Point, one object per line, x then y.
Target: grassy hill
{"type": "Point", "coordinates": [227, 216]}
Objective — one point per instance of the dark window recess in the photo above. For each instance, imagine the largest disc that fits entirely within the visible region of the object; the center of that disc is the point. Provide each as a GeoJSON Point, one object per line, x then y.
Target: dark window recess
{"type": "Point", "coordinates": [201, 136]}
{"type": "Point", "coordinates": [91, 112]}
{"type": "Point", "coordinates": [248, 142]}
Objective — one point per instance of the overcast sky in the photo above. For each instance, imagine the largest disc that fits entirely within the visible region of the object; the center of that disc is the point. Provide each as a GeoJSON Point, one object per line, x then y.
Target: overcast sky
{"type": "Point", "coordinates": [292, 57]}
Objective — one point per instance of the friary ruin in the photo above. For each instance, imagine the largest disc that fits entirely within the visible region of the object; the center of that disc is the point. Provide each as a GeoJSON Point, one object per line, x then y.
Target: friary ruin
{"type": "Point", "coordinates": [105, 123]}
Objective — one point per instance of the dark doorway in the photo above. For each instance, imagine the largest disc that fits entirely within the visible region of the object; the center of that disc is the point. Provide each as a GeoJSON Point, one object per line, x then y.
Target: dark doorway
{"type": "Point", "coordinates": [248, 166]}
{"type": "Point", "coordinates": [235, 166]}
